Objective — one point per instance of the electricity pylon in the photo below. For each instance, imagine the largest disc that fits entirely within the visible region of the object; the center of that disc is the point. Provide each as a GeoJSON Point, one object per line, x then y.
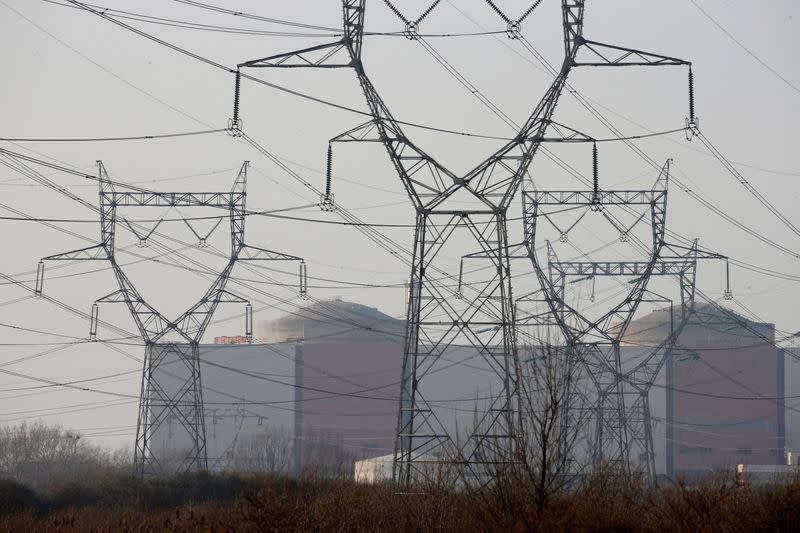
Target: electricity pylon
{"type": "Point", "coordinates": [623, 433]}
{"type": "Point", "coordinates": [438, 320]}
{"type": "Point", "coordinates": [171, 383]}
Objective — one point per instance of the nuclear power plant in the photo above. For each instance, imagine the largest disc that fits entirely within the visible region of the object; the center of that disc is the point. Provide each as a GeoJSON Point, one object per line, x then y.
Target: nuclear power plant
{"type": "Point", "coordinates": [319, 389]}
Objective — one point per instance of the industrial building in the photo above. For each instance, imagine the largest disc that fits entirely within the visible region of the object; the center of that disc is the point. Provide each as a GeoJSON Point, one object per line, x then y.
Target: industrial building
{"type": "Point", "coordinates": [719, 401]}
{"type": "Point", "coordinates": [347, 364]}
{"type": "Point", "coordinates": [318, 389]}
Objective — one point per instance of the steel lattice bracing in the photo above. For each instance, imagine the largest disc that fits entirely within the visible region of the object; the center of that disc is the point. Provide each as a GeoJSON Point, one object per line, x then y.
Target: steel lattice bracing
{"type": "Point", "coordinates": [623, 432]}
{"type": "Point", "coordinates": [173, 396]}
{"type": "Point", "coordinates": [438, 321]}
{"type": "Point", "coordinates": [598, 340]}
{"type": "Point", "coordinates": [438, 195]}
{"type": "Point", "coordinates": [491, 186]}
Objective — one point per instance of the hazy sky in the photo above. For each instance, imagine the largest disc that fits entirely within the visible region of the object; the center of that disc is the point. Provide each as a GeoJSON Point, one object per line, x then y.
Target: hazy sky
{"type": "Point", "coordinates": [68, 73]}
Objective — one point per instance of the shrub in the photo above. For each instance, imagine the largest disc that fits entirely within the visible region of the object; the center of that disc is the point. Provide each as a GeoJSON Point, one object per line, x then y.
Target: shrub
{"type": "Point", "coordinates": [15, 497]}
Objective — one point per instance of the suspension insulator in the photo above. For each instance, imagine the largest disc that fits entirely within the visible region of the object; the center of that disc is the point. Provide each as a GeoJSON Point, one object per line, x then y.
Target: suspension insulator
{"type": "Point", "coordinates": [326, 200]}
{"type": "Point", "coordinates": [691, 96]}
{"type": "Point", "coordinates": [303, 281]}
{"type": "Point", "coordinates": [93, 322]}
{"type": "Point", "coordinates": [498, 11]}
{"type": "Point", "coordinates": [39, 278]}
{"type": "Point", "coordinates": [728, 295]}
{"type": "Point", "coordinates": [396, 11]}
{"type": "Point", "coordinates": [329, 171]}
{"type": "Point", "coordinates": [248, 321]}
{"type": "Point", "coordinates": [596, 182]}
{"type": "Point", "coordinates": [428, 11]}
{"type": "Point", "coordinates": [236, 92]}
{"type": "Point", "coordinates": [529, 11]}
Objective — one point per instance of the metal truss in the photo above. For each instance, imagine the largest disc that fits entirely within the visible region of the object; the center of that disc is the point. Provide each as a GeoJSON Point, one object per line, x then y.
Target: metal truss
{"type": "Point", "coordinates": [171, 382]}
{"type": "Point", "coordinates": [437, 320]}
{"type": "Point", "coordinates": [623, 434]}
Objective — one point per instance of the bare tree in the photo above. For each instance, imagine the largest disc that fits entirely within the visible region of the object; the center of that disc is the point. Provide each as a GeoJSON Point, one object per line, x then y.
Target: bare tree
{"type": "Point", "coordinates": [38, 455]}
{"type": "Point", "coordinates": [552, 421]}
{"type": "Point", "coordinates": [549, 434]}
{"type": "Point", "coordinates": [324, 456]}
{"type": "Point", "coordinates": [270, 451]}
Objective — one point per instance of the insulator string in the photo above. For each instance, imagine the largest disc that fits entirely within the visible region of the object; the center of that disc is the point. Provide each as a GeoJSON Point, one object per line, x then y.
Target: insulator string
{"type": "Point", "coordinates": [328, 173]}
{"type": "Point", "coordinates": [596, 180]}
{"type": "Point", "coordinates": [691, 95]}
{"type": "Point", "coordinates": [236, 96]}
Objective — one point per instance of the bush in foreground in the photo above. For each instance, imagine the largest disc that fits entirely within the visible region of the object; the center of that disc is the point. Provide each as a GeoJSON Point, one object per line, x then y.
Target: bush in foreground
{"type": "Point", "coordinates": [272, 503]}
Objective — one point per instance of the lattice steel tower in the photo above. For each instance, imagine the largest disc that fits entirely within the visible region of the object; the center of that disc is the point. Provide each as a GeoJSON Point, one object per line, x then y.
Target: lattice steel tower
{"type": "Point", "coordinates": [623, 429]}
{"type": "Point", "coordinates": [171, 382]}
{"type": "Point", "coordinates": [438, 320]}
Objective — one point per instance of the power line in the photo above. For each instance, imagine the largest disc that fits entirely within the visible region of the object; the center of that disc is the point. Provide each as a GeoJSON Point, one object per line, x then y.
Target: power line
{"type": "Point", "coordinates": [649, 160]}
{"type": "Point", "coordinates": [121, 138]}
{"type": "Point", "coordinates": [300, 94]}
{"type": "Point", "coordinates": [746, 184]}
{"type": "Point", "coordinates": [242, 14]}
{"type": "Point", "coordinates": [141, 17]}
{"type": "Point", "coordinates": [743, 47]}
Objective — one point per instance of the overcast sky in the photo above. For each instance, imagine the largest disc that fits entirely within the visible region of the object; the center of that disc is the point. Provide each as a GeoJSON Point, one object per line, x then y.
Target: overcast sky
{"type": "Point", "coordinates": [70, 74]}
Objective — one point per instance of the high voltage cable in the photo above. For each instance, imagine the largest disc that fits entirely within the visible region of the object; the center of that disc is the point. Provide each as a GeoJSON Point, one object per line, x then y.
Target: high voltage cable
{"type": "Point", "coordinates": [748, 266]}
{"type": "Point", "coordinates": [51, 184]}
{"type": "Point", "coordinates": [645, 157]}
{"type": "Point", "coordinates": [743, 47]}
{"type": "Point", "coordinates": [527, 44]}
{"type": "Point", "coordinates": [745, 265]}
{"type": "Point", "coordinates": [91, 206]}
{"type": "Point", "coordinates": [753, 398]}
{"type": "Point", "coordinates": [155, 259]}
{"type": "Point", "coordinates": [356, 394]}
{"type": "Point", "coordinates": [299, 94]}
{"type": "Point", "coordinates": [349, 217]}
{"type": "Point", "coordinates": [245, 75]}
{"type": "Point", "coordinates": [104, 139]}
{"type": "Point", "coordinates": [652, 163]}
{"type": "Point", "coordinates": [583, 101]}
{"type": "Point", "coordinates": [67, 384]}
{"type": "Point", "coordinates": [141, 17]}
{"type": "Point", "coordinates": [242, 14]}
{"type": "Point", "coordinates": [467, 84]}
{"type": "Point", "coordinates": [266, 213]}
{"type": "Point", "coordinates": [746, 184]}
{"type": "Point", "coordinates": [176, 23]}
{"type": "Point", "coordinates": [222, 130]}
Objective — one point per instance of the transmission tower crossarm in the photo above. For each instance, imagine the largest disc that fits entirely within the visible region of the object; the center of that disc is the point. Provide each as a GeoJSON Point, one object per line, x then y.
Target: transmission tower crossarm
{"type": "Point", "coordinates": [319, 56]}
{"type": "Point", "coordinates": [632, 197]}
{"type": "Point", "coordinates": [170, 199]}
{"type": "Point", "coordinates": [253, 253]}
{"type": "Point", "coordinates": [609, 55]}
{"type": "Point", "coordinates": [228, 297]}
{"type": "Point", "coordinates": [565, 134]}
{"type": "Point", "coordinates": [365, 132]}
{"type": "Point", "coordinates": [513, 250]}
{"type": "Point", "coordinates": [618, 268]}
{"type": "Point", "coordinates": [91, 253]}
{"type": "Point", "coordinates": [114, 297]}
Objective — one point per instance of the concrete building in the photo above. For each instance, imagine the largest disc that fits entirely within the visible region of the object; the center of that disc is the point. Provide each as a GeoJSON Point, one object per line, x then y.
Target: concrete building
{"type": "Point", "coordinates": [347, 364]}
{"type": "Point", "coordinates": [717, 405]}
{"type": "Point", "coordinates": [319, 388]}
